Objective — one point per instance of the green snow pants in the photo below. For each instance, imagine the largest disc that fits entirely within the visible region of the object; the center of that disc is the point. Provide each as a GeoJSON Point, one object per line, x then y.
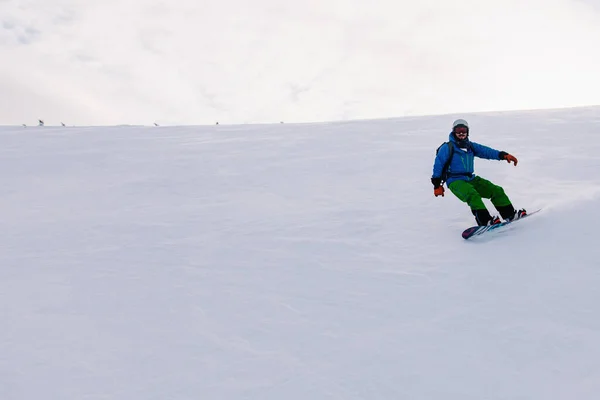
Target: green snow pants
{"type": "Point", "coordinates": [472, 191]}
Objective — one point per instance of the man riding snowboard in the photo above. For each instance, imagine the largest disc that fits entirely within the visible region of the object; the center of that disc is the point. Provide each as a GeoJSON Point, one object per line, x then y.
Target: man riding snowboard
{"type": "Point", "coordinates": [454, 166]}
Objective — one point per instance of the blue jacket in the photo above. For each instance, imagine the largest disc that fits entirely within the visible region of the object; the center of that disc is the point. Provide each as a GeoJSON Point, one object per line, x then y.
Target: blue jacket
{"type": "Point", "coordinates": [461, 166]}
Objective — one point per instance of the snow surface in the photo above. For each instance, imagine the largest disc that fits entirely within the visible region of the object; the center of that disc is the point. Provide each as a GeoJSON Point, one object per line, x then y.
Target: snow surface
{"type": "Point", "coordinates": [297, 262]}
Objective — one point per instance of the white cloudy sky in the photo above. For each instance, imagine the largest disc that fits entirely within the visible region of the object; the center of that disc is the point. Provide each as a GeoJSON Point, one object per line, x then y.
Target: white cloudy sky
{"type": "Point", "coordinates": [236, 61]}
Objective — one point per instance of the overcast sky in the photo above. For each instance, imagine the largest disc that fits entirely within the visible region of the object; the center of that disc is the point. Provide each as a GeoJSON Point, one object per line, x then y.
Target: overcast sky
{"type": "Point", "coordinates": [238, 61]}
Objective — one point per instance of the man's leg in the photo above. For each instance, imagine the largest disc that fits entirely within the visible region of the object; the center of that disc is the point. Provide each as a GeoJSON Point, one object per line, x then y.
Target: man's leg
{"type": "Point", "coordinates": [466, 192]}
{"type": "Point", "coordinates": [496, 194]}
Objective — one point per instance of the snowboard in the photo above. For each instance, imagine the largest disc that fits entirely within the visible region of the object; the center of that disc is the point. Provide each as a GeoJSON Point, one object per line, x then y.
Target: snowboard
{"type": "Point", "coordinates": [480, 230]}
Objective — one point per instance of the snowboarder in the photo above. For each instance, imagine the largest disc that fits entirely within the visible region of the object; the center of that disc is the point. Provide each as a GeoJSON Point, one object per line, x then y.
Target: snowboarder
{"type": "Point", "coordinates": [454, 166]}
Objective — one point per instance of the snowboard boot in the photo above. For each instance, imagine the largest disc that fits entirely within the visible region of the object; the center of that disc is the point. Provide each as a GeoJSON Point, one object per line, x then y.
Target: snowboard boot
{"type": "Point", "coordinates": [520, 213]}
{"type": "Point", "coordinates": [484, 218]}
{"type": "Point", "coordinates": [508, 213]}
{"type": "Point", "coordinates": [495, 220]}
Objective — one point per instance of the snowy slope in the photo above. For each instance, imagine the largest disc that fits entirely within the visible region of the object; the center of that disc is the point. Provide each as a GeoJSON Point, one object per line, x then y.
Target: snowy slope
{"type": "Point", "coordinates": [296, 262]}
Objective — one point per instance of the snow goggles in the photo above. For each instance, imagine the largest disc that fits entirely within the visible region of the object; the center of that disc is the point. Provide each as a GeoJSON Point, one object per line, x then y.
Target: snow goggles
{"type": "Point", "coordinates": [461, 129]}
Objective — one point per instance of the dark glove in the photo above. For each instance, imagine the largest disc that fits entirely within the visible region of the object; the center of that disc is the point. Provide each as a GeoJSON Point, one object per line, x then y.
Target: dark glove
{"type": "Point", "coordinates": [438, 189]}
{"type": "Point", "coordinates": [505, 156]}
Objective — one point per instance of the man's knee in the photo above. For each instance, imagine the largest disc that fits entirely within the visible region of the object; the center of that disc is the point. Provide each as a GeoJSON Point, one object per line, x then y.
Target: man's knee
{"type": "Point", "coordinates": [497, 191]}
{"type": "Point", "coordinates": [499, 197]}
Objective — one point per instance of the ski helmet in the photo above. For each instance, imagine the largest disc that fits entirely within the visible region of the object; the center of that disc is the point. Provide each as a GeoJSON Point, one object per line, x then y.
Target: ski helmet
{"type": "Point", "coordinates": [460, 124]}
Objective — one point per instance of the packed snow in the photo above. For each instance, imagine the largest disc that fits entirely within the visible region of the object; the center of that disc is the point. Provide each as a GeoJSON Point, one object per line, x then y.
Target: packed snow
{"type": "Point", "coordinates": [297, 261]}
